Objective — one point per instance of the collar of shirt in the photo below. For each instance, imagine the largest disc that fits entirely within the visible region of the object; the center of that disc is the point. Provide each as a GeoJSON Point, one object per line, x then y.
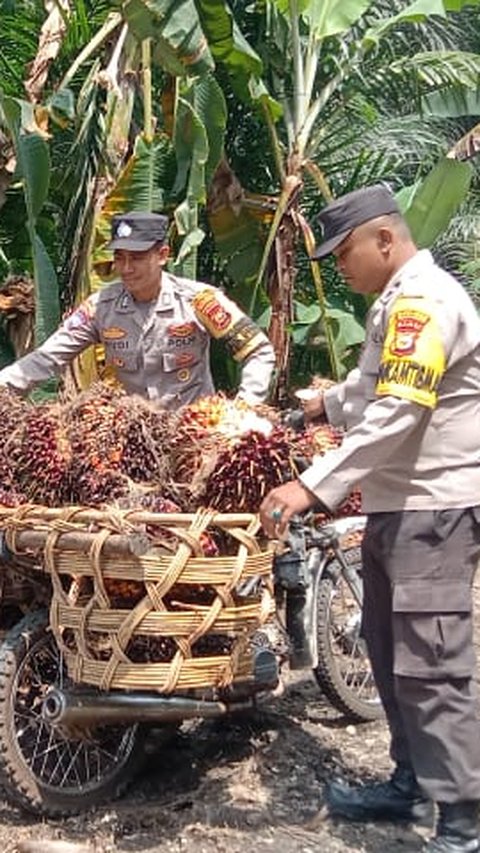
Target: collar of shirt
{"type": "Point", "coordinates": [127, 305]}
{"type": "Point", "coordinates": [165, 299]}
{"type": "Point", "coordinates": [415, 266]}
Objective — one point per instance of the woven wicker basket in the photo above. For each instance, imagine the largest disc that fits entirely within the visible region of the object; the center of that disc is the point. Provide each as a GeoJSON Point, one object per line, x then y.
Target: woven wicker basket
{"type": "Point", "coordinates": [187, 619]}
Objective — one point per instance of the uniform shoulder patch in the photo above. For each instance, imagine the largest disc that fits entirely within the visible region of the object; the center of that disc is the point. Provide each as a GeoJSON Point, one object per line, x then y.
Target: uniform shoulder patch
{"type": "Point", "coordinates": [209, 309]}
{"type": "Point", "coordinates": [413, 357]}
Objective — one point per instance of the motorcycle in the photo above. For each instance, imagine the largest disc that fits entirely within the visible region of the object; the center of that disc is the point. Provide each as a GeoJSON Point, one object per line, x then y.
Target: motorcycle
{"type": "Point", "coordinates": [65, 747]}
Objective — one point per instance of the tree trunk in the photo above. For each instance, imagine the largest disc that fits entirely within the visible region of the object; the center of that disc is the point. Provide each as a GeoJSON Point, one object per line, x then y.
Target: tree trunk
{"type": "Point", "coordinates": [280, 287]}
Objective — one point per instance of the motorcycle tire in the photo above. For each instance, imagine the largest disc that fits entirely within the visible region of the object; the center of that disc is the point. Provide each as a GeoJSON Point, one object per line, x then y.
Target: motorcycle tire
{"type": "Point", "coordinates": [46, 769]}
{"type": "Point", "coordinates": [344, 672]}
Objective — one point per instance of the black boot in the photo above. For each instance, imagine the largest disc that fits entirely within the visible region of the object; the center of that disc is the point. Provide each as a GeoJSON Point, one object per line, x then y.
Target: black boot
{"type": "Point", "coordinates": [399, 799]}
{"type": "Point", "coordinates": [457, 830]}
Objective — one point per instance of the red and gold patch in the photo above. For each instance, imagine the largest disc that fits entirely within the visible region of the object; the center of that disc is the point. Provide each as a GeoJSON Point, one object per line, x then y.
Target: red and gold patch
{"type": "Point", "coordinates": [212, 313]}
{"type": "Point", "coordinates": [184, 358]}
{"type": "Point", "coordinates": [408, 326]}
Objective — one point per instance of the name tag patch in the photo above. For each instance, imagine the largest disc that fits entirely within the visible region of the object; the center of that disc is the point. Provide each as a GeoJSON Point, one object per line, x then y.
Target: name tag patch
{"type": "Point", "coordinates": [180, 330]}
{"type": "Point", "coordinates": [113, 333]}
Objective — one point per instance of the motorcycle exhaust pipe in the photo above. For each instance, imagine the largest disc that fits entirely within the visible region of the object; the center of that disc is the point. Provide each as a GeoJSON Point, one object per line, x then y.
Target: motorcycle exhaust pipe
{"type": "Point", "coordinates": [83, 709]}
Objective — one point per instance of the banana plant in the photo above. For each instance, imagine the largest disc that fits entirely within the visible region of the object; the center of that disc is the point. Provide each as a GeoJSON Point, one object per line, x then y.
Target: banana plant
{"type": "Point", "coordinates": [33, 173]}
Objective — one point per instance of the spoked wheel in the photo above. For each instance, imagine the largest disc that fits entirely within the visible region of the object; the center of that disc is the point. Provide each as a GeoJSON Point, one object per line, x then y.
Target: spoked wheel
{"type": "Point", "coordinates": [48, 769]}
{"type": "Point", "coordinates": [344, 672]}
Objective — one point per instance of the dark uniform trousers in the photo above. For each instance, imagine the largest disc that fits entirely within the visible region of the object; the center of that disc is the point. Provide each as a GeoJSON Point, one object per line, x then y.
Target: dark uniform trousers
{"type": "Point", "coordinates": [418, 626]}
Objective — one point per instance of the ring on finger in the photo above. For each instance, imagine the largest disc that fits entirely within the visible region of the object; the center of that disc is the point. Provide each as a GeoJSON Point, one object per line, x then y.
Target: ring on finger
{"type": "Point", "coordinates": [276, 514]}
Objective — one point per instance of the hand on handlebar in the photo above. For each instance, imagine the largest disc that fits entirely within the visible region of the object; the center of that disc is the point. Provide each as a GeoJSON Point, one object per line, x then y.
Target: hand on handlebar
{"type": "Point", "coordinates": [281, 504]}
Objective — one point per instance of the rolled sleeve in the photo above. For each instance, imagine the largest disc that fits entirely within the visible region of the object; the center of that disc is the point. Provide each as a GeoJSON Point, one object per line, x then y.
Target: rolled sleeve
{"type": "Point", "coordinates": [257, 373]}
{"type": "Point", "coordinates": [51, 357]}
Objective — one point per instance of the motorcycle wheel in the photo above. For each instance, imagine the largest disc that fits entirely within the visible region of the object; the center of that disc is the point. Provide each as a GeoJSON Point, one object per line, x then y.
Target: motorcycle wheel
{"type": "Point", "coordinates": [46, 769]}
{"type": "Point", "coordinates": [344, 673]}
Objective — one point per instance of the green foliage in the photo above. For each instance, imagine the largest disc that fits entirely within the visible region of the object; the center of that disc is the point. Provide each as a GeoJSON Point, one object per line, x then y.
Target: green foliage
{"type": "Point", "coordinates": [365, 90]}
{"type": "Point", "coordinates": [437, 200]}
{"type": "Point", "coordinates": [174, 26]}
{"type": "Point", "coordinates": [33, 170]}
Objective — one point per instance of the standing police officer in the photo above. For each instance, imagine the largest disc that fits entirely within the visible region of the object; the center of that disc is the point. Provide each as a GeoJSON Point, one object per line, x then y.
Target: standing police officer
{"type": "Point", "coordinates": [412, 413]}
{"type": "Point", "coordinates": [155, 327]}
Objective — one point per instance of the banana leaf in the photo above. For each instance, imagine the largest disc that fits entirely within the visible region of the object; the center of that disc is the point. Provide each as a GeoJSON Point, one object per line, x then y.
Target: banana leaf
{"type": "Point", "coordinates": [144, 184]}
{"type": "Point", "coordinates": [33, 170]}
{"type": "Point", "coordinates": [333, 17]}
{"type": "Point", "coordinates": [175, 28]}
{"type": "Point", "coordinates": [437, 200]}
{"type": "Point", "coordinates": [417, 12]}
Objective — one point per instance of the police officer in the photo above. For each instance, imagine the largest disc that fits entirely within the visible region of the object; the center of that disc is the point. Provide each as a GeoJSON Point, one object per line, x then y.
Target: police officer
{"type": "Point", "coordinates": [155, 327]}
{"type": "Point", "coordinates": [412, 413]}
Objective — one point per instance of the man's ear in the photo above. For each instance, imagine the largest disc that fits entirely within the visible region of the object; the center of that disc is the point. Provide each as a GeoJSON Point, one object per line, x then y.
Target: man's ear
{"type": "Point", "coordinates": [164, 254]}
{"type": "Point", "coordinates": [385, 239]}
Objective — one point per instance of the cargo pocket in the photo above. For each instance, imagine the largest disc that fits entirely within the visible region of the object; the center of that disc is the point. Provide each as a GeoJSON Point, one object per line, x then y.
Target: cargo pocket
{"type": "Point", "coordinates": [432, 629]}
{"type": "Point", "coordinates": [185, 374]}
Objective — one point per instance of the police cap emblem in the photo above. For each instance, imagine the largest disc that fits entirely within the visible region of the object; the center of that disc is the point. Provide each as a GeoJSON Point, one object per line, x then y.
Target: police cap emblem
{"type": "Point", "coordinates": [123, 229]}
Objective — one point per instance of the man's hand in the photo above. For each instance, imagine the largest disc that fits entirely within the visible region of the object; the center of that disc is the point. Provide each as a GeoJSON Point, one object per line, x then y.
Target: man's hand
{"type": "Point", "coordinates": [312, 402]}
{"type": "Point", "coordinates": [281, 503]}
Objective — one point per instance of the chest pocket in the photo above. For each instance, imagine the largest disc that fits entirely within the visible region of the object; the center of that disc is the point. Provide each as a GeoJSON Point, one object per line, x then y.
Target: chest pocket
{"type": "Point", "coordinates": [118, 355]}
{"type": "Point", "coordinates": [182, 347]}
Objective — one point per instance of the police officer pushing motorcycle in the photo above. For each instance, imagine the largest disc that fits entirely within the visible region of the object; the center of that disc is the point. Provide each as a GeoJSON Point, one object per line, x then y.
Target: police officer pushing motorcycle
{"type": "Point", "coordinates": [411, 409]}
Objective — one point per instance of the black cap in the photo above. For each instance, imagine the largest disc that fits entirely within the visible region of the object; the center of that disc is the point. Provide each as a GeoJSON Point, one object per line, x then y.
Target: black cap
{"type": "Point", "coordinates": [138, 231]}
{"type": "Point", "coordinates": [340, 217]}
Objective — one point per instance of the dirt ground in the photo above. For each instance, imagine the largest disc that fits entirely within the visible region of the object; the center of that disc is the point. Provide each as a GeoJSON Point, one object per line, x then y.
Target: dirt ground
{"type": "Point", "coordinates": [237, 785]}
{"type": "Point", "coordinates": [252, 783]}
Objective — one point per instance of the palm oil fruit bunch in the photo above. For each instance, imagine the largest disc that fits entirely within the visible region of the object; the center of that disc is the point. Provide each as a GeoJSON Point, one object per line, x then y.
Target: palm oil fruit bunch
{"type": "Point", "coordinates": [195, 446]}
{"type": "Point", "coordinates": [145, 437]}
{"type": "Point", "coordinates": [94, 428]}
{"type": "Point", "coordinates": [246, 471]}
{"type": "Point", "coordinates": [316, 440]}
{"type": "Point", "coordinates": [41, 455]}
{"type": "Point", "coordinates": [207, 432]}
{"type": "Point", "coordinates": [116, 439]}
{"type": "Point", "coordinates": [13, 410]}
